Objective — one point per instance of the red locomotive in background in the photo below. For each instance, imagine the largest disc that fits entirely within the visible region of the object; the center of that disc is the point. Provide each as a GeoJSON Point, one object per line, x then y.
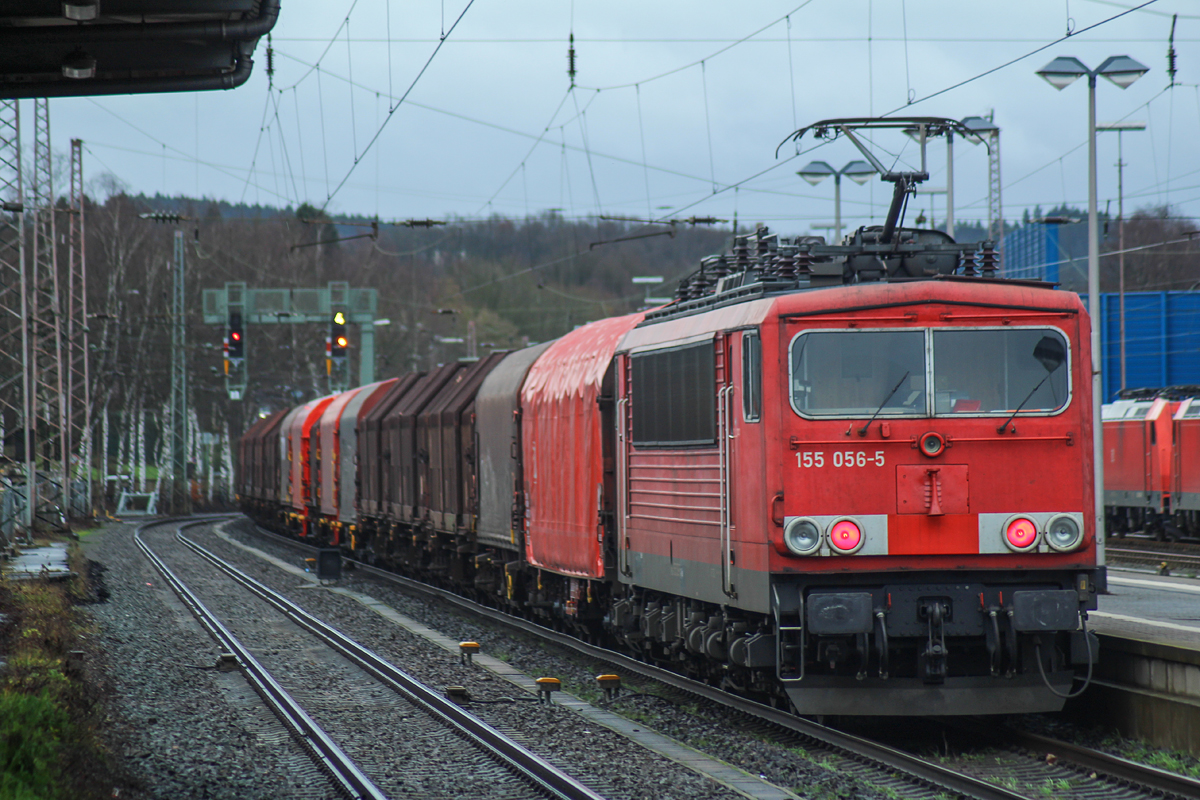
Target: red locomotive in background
{"type": "Point", "coordinates": [853, 477]}
{"type": "Point", "coordinates": [1152, 462]}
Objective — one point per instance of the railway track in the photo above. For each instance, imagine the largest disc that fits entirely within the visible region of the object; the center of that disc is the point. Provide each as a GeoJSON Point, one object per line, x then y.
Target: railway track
{"type": "Point", "coordinates": [1071, 771]}
{"type": "Point", "coordinates": [1121, 772]}
{"type": "Point", "coordinates": [1152, 553]}
{"type": "Point", "coordinates": [507, 768]}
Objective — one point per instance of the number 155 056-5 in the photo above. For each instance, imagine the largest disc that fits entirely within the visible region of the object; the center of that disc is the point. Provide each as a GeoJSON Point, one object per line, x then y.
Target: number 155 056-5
{"type": "Point", "coordinates": [812, 459]}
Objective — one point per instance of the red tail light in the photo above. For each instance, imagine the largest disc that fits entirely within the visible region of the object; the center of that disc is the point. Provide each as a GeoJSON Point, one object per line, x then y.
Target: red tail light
{"type": "Point", "coordinates": [1020, 534]}
{"type": "Point", "coordinates": [845, 536]}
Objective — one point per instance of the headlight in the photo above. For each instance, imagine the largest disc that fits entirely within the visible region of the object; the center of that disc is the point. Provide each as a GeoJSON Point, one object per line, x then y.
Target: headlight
{"type": "Point", "coordinates": [1063, 533]}
{"type": "Point", "coordinates": [1020, 534]}
{"type": "Point", "coordinates": [845, 536]}
{"type": "Point", "coordinates": [932, 444]}
{"type": "Point", "coordinates": [802, 536]}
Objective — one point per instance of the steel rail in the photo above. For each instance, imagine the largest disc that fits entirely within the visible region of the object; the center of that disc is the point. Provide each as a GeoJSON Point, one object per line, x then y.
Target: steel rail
{"type": "Point", "coordinates": [1097, 761]}
{"type": "Point", "coordinates": [527, 764]}
{"type": "Point", "coordinates": [849, 744]}
{"type": "Point", "coordinates": [1169, 556]}
{"type": "Point", "coordinates": [345, 773]}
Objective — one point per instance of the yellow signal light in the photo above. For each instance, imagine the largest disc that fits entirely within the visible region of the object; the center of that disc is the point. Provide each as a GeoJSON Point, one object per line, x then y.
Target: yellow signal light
{"type": "Point", "coordinates": [342, 341]}
{"type": "Point", "coordinates": [339, 318]}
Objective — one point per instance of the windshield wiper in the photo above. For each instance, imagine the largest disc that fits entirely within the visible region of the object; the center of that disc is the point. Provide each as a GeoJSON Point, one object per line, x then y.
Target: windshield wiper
{"type": "Point", "coordinates": [863, 430]}
{"type": "Point", "coordinates": [1022, 405]}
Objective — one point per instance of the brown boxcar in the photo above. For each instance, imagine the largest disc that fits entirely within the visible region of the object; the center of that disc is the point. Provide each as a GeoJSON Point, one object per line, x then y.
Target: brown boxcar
{"type": "Point", "coordinates": [264, 452]}
{"type": "Point", "coordinates": [453, 441]}
{"type": "Point", "coordinates": [400, 434]}
{"type": "Point", "coordinates": [430, 463]}
{"type": "Point", "coordinates": [373, 453]}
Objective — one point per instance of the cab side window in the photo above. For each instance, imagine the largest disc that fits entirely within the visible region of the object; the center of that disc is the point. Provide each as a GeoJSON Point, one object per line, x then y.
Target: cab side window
{"type": "Point", "coordinates": [751, 376]}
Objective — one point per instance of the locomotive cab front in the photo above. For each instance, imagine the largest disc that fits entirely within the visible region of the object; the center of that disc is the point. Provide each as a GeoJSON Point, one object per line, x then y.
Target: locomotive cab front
{"type": "Point", "coordinates": [935, 550]}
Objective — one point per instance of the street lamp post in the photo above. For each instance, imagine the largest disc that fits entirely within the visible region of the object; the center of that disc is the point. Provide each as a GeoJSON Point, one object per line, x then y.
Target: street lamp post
{"type": "Point", "coordinates": [1120, 128]}
{"type": "Point", "coordinates": [1061, 73]}
{"type": "Point", "coordinates": [858, 171]}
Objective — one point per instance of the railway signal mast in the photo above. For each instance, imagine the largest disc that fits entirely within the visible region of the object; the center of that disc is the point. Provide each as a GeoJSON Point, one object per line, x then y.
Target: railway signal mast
{"type": "Point", "coordinates": [237, 307]}
{"type": "Point", "coordinates": [235, 341]}
{"type": "Point", "coordinates": [235, 355]}
{"type": "Point", "coordinates": [336, 365]}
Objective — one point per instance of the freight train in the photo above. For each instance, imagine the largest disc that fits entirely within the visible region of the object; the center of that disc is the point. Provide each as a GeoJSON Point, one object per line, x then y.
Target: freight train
{"type": "Point", "coordinates": [1152, 462]}
{"type": "Point", "coordinates": [850, 478]}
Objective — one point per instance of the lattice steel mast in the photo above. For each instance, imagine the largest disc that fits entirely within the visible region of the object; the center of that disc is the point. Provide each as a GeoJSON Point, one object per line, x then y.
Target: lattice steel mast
{"type": "Point", "coordinates": [995, 210]}
{"type": "Point", "coordinates": [14, 345]}
{"type": "Point", "coordinates": [45, 335]}
{"type": "Point", "coordinates": [79, 401]}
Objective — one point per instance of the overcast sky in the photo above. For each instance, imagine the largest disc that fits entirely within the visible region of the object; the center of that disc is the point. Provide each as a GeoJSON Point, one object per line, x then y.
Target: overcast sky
{"type": "Point", "coordinates": [694, 99]}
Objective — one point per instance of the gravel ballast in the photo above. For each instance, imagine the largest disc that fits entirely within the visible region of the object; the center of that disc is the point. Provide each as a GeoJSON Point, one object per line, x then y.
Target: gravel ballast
{"type": "Point", "coordinates": [188, 731]}
{"type": "Point", "coordinates": [710, 730]}
{"type": "Point", "coordinates": [183, 729]}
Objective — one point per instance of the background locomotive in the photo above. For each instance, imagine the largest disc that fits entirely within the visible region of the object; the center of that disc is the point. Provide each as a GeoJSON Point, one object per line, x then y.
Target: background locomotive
{"type": "Point", "coordinates": [854, 477]}
{"type": "Point", "coordinates": [1152, 453]}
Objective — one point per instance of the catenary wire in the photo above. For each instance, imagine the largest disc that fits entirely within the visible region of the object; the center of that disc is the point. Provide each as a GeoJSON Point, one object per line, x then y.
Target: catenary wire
{"type": "Point", "coordinates": [709, 57]}
{"type": "Point", "coordinates": [1018, 59]}
{"type": "Point", "coordinates": [358, 156]}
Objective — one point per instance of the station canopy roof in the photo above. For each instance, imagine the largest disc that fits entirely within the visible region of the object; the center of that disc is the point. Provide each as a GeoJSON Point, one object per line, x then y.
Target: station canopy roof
{"type": "Point", "coordinates": [70, 48]}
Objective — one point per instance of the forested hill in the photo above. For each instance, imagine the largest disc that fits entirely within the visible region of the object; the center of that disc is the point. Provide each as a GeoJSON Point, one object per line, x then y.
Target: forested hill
{"type": "Point", "coordinates": [517, 281]}
{"type": "Point", "coordinates": [513, 281]}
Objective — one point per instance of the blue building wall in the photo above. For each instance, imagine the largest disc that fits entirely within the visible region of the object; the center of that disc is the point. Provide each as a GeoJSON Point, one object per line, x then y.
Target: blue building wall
{"type": "Point", "coordinates": [1162, 339]}
{"type": "Point", "coordinates": [1032, 253]}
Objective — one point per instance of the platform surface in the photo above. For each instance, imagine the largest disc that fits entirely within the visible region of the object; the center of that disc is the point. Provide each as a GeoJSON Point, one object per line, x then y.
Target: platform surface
{"type": "Point", "coordinates": [49, 561]}
{"type": "Point", "coordinates": [1150, 607]}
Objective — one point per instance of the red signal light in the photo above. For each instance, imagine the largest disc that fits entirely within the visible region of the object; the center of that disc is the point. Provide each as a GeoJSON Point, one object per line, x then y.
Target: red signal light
{"type": "Point", "coordinates": [236, 336]}
{"type": "Point", "coordinates": [1021, 534]}
{"type": "Point", "coordinates": [845, 536]}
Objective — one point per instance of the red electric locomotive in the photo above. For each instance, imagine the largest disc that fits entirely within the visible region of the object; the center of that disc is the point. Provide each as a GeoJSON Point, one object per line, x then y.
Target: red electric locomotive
{"type": "Point", "coordinates": [1139, 457]}
{"type": "Point", "coordinates": [855, 478]}
{"type": "Point", "coordinates": [877, 494]}
{"type": "Point", "coordinates": [1185, 487]}
{"type": "Point", "coordinates": [1152, 472]}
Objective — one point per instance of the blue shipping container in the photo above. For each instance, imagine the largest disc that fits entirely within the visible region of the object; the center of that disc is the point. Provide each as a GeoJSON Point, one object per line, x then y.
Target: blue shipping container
{"type": "Point", "coordinates": [1162, 340]}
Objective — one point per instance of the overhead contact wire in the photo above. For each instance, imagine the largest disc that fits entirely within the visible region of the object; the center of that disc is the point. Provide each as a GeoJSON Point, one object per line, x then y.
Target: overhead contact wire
{"type": "Point", "coordinates": [536, 142]}
{"type": "Point", "coordinates": [324, 141]}
{"type": "Point", "coordinates": [663, 219]}
{"type": "Point", "coordinates": [708, 57]}
{"type": "Point", "coordinates": [257, 142]}
{"type": "Point", "coordinates": [712, 169]}
{"type": "Point", "coordinates": [645, 169]}
{"type": "Point", "coordinates": [300, 142]}
{"type": "Point", "coordinates": [513, 131]}
{"type": "Point", "coordinates": [375, 138]}
{"type": "Point", "coordinates": [587, 148]}
{"type": "Point", "coordinates": [1018, 59]}
{"type": "Point", "coordinates": [287, 159]}
{"type": "Point", "coordinates": [329, 45]}
{"type": "Point", "coordinates": [791, 73]}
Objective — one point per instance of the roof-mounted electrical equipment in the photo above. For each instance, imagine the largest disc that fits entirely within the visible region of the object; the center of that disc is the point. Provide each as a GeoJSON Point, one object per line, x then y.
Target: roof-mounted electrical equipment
{"type": "Point", "coordinates": [766, 263]}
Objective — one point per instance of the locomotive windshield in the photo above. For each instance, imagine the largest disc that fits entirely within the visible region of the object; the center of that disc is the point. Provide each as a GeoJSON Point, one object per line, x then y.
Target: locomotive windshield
{"type": "Point", "coordinates": [854, 373]}
{"type": "Point", "coordinates": [997, 371]}
{"type": "Point", "coordinates": [936, 372]}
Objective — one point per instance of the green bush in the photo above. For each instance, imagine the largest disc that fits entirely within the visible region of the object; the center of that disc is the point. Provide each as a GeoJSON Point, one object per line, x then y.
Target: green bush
{"type": "Point", "coordinates": [31, 727]}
